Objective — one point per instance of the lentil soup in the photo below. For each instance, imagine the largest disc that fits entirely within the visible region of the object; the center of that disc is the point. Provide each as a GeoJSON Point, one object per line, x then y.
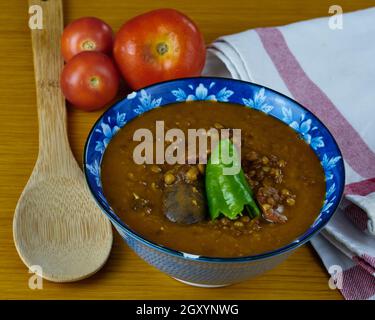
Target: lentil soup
{"type": "Point", "coordinates": [285, 176]}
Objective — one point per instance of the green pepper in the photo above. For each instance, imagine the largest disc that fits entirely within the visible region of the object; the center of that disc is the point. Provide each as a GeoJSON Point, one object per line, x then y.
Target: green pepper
{"type": "Point", "coordinates": [228, 194]}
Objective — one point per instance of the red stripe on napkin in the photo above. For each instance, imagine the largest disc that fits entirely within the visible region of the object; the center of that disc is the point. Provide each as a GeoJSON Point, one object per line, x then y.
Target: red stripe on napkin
{"type": "Point", "coordinates": [370, 260]}
{"type": "Point", "coordinates": [362, 188]}
{"type": "Point", "coordinates": [358, 284]}
{"type": "Point", "coordinates": [356, 215]}
{"type": "Point", "coordinates": [365, 264]}
{"type": "Point", "coordinates": [356, 152]}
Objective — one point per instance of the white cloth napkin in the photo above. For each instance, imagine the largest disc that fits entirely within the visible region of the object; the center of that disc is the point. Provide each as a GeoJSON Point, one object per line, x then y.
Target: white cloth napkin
{"type": "Point", "coordinates": [331, 72]}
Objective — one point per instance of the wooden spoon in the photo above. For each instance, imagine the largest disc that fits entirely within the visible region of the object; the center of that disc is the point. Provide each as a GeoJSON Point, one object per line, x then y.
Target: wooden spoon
{"type": "Point", "coordinates": [57, 225]}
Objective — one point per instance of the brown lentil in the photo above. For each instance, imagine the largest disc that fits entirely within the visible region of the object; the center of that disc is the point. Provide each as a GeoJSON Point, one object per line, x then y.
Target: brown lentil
{"type": "Point", "coordinates": [192, 174]}
{"type": "Point", "coordinates": [169, 178]}
{"type": "Point", "coordinates": [155, 168]}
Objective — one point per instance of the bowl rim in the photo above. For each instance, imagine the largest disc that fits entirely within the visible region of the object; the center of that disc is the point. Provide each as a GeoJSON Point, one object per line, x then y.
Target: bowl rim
{"type": "Point", "coordinates": [296, 243]}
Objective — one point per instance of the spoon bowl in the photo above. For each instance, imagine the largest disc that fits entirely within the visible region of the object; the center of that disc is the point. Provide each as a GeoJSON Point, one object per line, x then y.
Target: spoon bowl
{"type": "Point", "coordinates": [53, 226]}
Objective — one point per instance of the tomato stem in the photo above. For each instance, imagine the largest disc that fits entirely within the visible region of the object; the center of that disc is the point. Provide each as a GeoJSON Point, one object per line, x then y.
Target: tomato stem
{"type": "Point", "coordinates": [88, 45]}
{"type": "Point", "coordinates": [94, 82]}
{"type": "Point", "coordinates": [162, 48]}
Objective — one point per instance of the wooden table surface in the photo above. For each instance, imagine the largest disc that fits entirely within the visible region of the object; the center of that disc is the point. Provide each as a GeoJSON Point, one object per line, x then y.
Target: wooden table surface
{"type": "Point", "coordinates": [125, 276]}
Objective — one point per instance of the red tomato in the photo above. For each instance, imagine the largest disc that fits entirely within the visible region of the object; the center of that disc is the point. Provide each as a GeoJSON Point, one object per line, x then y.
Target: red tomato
{"type": "Point", "coordinates": [159, 45]}
{"type": "Point", "coordinates": [86, 34]}
{"type": "Point", "coordinates": [90, 80]}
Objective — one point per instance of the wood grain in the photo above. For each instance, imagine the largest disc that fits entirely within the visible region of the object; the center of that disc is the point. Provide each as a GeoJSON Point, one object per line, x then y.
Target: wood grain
{"type": "Point", "coordinates": [57, 226]}
{"type": "Point", "coordinates": [125, 276]}
{"type": "Point", "coordinates": [54, 157]}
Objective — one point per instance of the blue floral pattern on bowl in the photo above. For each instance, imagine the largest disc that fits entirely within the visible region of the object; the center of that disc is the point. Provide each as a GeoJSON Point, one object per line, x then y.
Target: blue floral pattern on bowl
{"type": "Point", "coordinates": [189, 267]}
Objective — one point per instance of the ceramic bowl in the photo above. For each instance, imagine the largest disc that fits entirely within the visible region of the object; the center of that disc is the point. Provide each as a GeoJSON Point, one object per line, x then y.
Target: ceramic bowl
{"type": "Point", "coordinates": [200, 270]}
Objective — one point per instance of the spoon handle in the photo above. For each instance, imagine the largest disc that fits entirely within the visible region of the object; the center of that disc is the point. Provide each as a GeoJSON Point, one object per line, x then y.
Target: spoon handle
{"type": "Point", "coordinates": [54, 151]}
